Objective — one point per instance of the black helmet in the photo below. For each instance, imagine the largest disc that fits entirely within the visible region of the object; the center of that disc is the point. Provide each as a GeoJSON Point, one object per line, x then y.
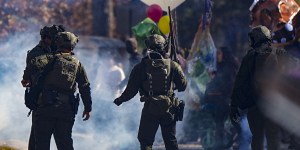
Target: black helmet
{"type": "Point", "coordinates": [66, 40]}
{"type": "Point", "coordinates": [51, 31]}
{"type": "Point", "coordinates": [156, 42]}
{"type": "Point", "coordinates": [259, 34]}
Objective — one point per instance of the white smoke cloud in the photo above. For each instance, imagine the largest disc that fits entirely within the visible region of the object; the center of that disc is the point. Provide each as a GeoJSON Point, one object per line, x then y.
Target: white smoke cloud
{"type": "Point", "coordinates": [110, 127]}
{"type": "Point", "coordinates": [14, 123]}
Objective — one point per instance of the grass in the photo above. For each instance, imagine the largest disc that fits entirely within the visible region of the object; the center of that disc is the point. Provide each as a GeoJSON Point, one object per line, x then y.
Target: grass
{"type": "Point", "coordinates": [6, 148]}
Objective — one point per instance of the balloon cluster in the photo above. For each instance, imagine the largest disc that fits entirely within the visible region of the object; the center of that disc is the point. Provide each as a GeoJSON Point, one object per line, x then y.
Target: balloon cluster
{"type": "Point", "coordinates": [155, 13]}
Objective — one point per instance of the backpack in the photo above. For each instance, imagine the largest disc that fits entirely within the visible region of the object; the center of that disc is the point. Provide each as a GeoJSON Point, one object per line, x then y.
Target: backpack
{"type": "Point", "coordinates": [32, 94]}
{"type": "Point", "coordinates": [63, 75]}
{"type": "Point", "coordinates": [158, 83]}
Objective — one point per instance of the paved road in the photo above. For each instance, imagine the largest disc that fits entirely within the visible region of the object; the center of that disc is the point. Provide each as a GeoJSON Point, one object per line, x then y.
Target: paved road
{"type": "Point", "coordinates": [199, 147]}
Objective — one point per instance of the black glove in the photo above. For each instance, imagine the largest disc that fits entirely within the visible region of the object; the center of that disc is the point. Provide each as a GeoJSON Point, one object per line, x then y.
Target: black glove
{"type": "Point", "coordinates": [118, 102]}
{"type": "Point", "coordinates": [235, 116]}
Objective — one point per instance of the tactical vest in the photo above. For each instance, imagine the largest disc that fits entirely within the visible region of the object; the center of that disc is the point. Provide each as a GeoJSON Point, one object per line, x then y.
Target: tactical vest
{"type": "Point", "coordinates": [63, 75]}
{"type": "Point", "coordinates": [158, 81]}
{"type": "Point", "coordinates": [37, 64]}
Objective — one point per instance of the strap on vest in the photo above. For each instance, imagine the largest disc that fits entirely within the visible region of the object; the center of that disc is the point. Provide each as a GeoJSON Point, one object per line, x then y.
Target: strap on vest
{"type": "Point", "coordinates": [77, 66]}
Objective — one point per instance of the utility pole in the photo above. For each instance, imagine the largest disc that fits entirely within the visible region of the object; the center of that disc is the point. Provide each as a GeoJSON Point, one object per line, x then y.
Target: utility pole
{"type": "Point", "coordinates": [100, 18]}
{"type": "Point", "coordinates": [111, 18]}
{"type": "Point", "coordinates": [104, 21]}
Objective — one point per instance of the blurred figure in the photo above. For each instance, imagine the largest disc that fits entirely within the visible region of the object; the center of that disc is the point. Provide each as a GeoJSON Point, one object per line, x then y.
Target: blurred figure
{"type": "Point", "coordinates": [116, 76]}
{"type": "Point", "coordinates": [131, 48]}
{"type": "Point", "coordinates": [46, 45]}
{"type": "Point", "coordinates": [217, 96]}
{"type": "Point", "coordinates": [290, 137]}
{"type": "Point", "coordinates": [259, 65]}
{"type": "Point", "coordinates": [134, 58]}
{"type": "Point", "coordinates": [227, 67]}
{"type": "Point", "coordinates": [243, 139]}
{"type": "Point", "coordinates": [155, 78]}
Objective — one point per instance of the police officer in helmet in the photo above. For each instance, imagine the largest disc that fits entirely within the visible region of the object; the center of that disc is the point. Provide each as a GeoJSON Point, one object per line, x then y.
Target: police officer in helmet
{"type": "Point", "coordinates": [46, 45]}
{"type": "Point", "coordinates": [155, 78]}
{"type": "Point", "coordinates": [57, 104]}
{"type": "Point", "coordinates": [255, 74]}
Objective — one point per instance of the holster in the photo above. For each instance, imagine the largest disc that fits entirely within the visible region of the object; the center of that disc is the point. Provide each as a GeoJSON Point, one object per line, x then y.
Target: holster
{"type": "Point", "coordinates": [74, 102]}
{"type": "Point", "coordinates": [179, 110]}
{"type": "Point", "coordinates": [31, 97]}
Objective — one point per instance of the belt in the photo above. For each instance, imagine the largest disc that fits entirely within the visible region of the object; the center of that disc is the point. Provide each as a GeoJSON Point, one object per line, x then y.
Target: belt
{"type": "Point", "coordinates": [59, 91]}
{"type": "Point", "coordinates": [151, 93]}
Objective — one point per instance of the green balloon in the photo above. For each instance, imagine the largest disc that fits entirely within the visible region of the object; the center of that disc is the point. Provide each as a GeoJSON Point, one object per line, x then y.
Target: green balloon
{"type": "Point", "coordinates": [143, 29]}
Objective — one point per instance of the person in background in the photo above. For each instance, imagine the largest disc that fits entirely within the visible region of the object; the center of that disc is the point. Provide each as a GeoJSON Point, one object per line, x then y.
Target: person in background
{"type": "Point", "coordinates": [134, 58]}
{"type": "Point", "coordinates": [261, 64]}
{"type": "Point", "coordinates": [217, 95]}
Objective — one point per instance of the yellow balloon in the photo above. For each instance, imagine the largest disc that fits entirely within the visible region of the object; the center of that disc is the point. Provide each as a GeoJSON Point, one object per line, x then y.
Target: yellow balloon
{"type": "Point", "coordinates": [164, 24]}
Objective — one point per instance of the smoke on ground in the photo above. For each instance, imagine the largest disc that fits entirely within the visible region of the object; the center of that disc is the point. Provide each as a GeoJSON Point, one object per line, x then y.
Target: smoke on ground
{"type": "Point", "coordinates": [110, 127]}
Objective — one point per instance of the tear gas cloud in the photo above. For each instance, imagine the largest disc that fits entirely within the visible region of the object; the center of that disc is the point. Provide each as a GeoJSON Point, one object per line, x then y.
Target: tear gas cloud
{"type": "Point", "coordinates": [110, 127]}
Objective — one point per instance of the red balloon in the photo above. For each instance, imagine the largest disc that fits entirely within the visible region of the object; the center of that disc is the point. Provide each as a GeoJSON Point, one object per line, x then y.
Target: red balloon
{"type": "Point", "coordinates": [154, 12]}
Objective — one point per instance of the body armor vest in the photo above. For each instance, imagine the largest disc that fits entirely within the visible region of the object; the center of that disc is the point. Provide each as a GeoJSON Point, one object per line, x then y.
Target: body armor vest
{"type": "Point", "coordinates": [63, 75]}
{"type": "Point", "coordinates": [158, 81]}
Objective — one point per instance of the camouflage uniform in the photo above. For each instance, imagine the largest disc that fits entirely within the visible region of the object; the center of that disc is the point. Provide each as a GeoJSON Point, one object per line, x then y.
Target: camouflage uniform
{"type": "Point", "coordinates": [150, 121]}
{"type": "Point", "coordinates": [248, 88]}
{"type": "Point", "coordinates": [41, 49]}
{"type": "Point", "coordinates": [56, 106]}
{"type": "Point", "coordinates": [30, 73]}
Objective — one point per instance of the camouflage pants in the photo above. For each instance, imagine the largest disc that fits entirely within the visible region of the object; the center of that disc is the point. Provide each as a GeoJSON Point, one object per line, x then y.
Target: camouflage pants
{"type": "Point", "coordinates": [148, 127]}
{"type": "Point", "coordinates": [54, 120]}
{"type": "Point", "coordinates": [261, 127]}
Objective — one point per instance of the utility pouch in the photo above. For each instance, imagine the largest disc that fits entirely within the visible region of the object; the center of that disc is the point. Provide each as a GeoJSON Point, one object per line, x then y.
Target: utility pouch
{"type": "Point", "coordinates": [31, 96]}
{"type": "Point", "coordinates": [159, 105]}
{"type": "Point", "coordinates": [74, 101]}
{"type": "Point", "coordinates": [179, 111]}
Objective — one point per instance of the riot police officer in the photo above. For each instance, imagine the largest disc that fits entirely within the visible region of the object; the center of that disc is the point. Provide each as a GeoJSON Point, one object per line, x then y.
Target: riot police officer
{"type": "Point", "coordinates": [46, 45]}
{"type": "Point", "coordinates": [57, 104]}
{"type": "Point", "coordinates": [155, 78]}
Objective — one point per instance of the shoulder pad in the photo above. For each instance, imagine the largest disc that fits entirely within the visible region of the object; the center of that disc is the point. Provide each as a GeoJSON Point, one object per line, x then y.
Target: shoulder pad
{"type": "Point", "coordinates": [75, 59]}
{"type": "Point", "coordinates": [174, 64]}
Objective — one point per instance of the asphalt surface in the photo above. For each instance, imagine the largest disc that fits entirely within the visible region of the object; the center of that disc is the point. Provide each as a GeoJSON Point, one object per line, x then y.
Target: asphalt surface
{"type": "Point", "coordinates": [199, 147]}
